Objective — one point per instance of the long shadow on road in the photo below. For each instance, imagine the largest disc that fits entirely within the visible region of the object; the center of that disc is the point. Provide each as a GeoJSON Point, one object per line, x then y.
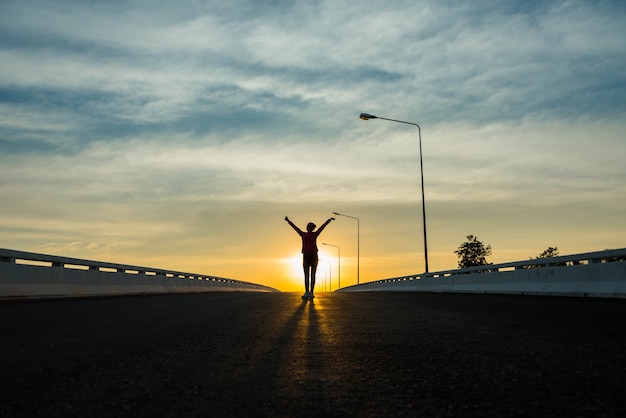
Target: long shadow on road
{"type": "Point", "coordinates": [358, 354]}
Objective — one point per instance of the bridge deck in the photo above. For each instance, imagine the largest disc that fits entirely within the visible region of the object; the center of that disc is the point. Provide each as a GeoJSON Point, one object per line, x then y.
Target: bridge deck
{"type": "Point", "coordinates": [354, 354]}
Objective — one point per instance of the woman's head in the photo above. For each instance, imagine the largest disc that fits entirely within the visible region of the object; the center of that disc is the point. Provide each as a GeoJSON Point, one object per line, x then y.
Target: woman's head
{"type": "Point", "coordinates": [310, 226]}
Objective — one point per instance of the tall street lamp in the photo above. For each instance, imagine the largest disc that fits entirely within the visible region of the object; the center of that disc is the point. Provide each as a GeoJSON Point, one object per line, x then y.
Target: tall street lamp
{"type": "Point", "coordinates": [367, 116]}
{"type": "Point", "coordinates": [338, 263]}
{"type": "Point", "coordinates": [358, 244]}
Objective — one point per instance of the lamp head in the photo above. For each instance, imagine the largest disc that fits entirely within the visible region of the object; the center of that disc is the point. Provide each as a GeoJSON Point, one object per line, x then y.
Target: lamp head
{"type": "Point", "coordinates": [367, 116]}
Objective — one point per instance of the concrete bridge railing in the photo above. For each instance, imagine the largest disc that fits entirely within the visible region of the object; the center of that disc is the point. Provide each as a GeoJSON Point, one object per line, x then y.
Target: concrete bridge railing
{"type": "Point", "coordinates": [597, 274]}
{"type": "Point", "coordinates": [31, 275]}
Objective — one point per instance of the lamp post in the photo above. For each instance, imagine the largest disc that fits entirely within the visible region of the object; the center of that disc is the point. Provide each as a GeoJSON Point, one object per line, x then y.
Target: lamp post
{"type": "Point", "coordinates": [338, 263]}
{"type": "Point", "coordinates": [358, 244]}
{"type": "Point", "coordinates": [330, 274]}
{"type": "Point", "coordinates": [367, 116]}
{"type": "Point", "coordinates": [324, 280]}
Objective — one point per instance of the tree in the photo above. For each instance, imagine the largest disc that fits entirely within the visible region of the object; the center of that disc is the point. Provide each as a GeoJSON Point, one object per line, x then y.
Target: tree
{"type": "Point", "coordinates": [549, 252]}
{"type": "Point", "coordinates": [473, 253]}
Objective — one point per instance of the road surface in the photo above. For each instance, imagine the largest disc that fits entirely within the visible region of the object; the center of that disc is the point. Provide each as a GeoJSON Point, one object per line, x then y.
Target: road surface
{"type": "Point", "coordinates": [343, 355]}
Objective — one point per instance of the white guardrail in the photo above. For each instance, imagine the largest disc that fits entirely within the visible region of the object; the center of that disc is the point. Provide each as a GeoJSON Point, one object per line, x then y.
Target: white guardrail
{"type": "Point", "coordinates": [31, 275]}
{"type": "Point", "coordinates": [595, 274]}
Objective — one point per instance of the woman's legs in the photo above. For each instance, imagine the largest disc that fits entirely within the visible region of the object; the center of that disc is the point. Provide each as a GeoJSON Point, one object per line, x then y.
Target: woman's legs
{"type": "Point", "coordinates": [306, 276]}
{"type": "Point", "coordinates": [313, 270]}
{"type": "Point", "coordinates": [309, 264]}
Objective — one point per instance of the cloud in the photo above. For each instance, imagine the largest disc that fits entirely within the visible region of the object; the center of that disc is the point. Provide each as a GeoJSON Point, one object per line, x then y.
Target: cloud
{"type": "Point", "coordinates": [124, 123]}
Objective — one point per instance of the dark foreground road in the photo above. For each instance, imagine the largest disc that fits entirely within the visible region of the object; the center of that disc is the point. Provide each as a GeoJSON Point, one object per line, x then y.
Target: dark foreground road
{"type": "Point", "coordinates": [359, 354]}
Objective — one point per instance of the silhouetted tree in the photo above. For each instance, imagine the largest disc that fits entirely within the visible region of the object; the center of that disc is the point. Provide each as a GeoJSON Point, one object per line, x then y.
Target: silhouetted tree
{"type": "Point", "coordinates": [549, 252]}
{"type": "Point", "coordinates": [473, 253]}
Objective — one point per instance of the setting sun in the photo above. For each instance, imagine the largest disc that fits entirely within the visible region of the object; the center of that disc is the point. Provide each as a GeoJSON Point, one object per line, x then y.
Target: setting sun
{"type": "Point", "coordinates": [294, 276]}
{"type": "Point", "coordinates": [293, 269]}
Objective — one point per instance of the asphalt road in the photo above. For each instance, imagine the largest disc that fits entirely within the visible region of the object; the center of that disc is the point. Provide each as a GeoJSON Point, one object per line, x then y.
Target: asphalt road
{"type": "Point", "coordinates": [348, 354]}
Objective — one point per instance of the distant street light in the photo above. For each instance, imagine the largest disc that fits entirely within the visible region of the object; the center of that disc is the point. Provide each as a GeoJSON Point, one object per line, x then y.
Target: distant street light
{"type": "Point", "coordinates": [367, 116]}
{"type": "Point", "coordinates": [358, 244]}
{"type": "Point", "coordinates": [324, 280]}
{"type": "Point", "coordinates": [330, 274]}
{"type": "Point", "coordinates": [338, 263]}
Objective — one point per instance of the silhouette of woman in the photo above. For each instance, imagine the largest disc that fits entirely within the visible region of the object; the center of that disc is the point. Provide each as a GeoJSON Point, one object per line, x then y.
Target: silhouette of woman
{"type": "Point", "coordinates": [309, 253]}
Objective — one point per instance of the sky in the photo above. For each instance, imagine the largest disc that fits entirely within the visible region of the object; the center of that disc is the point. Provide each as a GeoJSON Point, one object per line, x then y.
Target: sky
{"type": "Point", "coordinates": [178, 135]}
